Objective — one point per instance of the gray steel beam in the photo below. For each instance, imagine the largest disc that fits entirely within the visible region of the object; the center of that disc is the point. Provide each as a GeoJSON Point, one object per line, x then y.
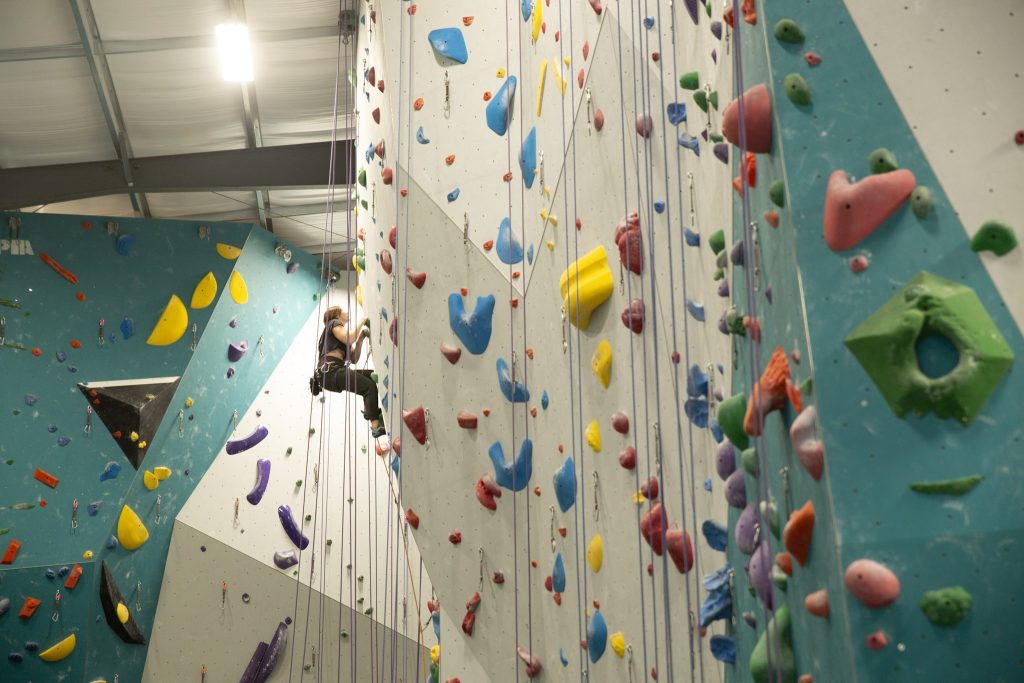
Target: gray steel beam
{"type": "Point", "coordinates": [286, 167]}
{"type": "Point", "coordinates": [247, 212]}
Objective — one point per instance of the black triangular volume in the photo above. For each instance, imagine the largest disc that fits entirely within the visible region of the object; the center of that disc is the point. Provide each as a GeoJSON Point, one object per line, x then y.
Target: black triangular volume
{"type": "Point", "coordinates": [133, 405]}
{"type": "Point", "coordinates": [110, 597]}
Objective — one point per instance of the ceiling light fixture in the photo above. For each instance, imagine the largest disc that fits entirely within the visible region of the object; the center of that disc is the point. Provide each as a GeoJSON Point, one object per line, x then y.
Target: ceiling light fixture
{"type": "Point", "coordinates": [235, 52]}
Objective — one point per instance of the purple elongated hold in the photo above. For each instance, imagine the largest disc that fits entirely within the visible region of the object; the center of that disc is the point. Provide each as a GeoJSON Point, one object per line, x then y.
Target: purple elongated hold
{"type": "Point", "coordinates": [760, 572]}
{"type": "Point", "coordinates": [272, 654]}
{"type": "Point", "coordinates": [716, 29]}
{"type": "Point", "coordinates": [249, 675]}
{"type": "Point", "coordinates": [725, 459]}
{"type": "Point", "coordinates": [736, 490]}
{"type": "Point", "coordinates": [746, 530]}
{"type": "Point", "coordinates": [262, 479]}
{"type": "Point", "coordinates": [691, 9]}
{"type": "Point", "coordinates": [737, 254]}
{"type": "Point", "coordinates": [239, 445]}
{"type": "Point", "coordinates": [291, 527]}
{"type": "Point", "coordinates": [285, 558]}
{"type": "Point", "coordinates": [236, 351]}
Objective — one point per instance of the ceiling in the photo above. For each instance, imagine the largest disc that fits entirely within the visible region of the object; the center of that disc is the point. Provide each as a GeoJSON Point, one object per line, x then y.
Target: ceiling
{"type": "Point", "coordinates": [118, 81]}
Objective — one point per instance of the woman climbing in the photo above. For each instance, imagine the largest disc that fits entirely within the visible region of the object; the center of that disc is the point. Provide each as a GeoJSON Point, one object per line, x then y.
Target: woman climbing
{"type": "Point", "coordinates": [339, 350]}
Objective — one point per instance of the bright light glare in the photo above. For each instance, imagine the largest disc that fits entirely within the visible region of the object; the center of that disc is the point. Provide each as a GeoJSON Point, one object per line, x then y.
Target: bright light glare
{"type": "Point", "coordinates": [235, 52]}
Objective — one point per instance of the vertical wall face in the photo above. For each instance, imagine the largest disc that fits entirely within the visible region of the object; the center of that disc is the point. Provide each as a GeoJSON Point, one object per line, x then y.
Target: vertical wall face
{"type": "Point", "coordinates": [870, 503]}
{"type": "Point", "coordinates": [443, 187]}
{"type": "Point", "coordinates": [46, 416]}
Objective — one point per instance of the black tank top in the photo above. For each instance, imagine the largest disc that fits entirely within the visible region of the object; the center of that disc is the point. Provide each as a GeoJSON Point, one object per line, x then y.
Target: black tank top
{"type": "Point", "coordinates": [328, 342]}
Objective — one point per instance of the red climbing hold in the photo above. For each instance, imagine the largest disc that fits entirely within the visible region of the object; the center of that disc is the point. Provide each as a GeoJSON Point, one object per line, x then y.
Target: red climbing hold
{"type": "Point", "coordinates": [488, 245]}
{"type": "Point", "coordinates": [1018, 137]}
{"type": "Point", "coordinates": [75, 344]}
{"type": "Point", "coordinates": [498, 577]}
{"type": "Point", "coordinates": [60, 270]}
{"type": "Point", "coordinates": [596, 6]}
{"type": "Point", "coordinates": [486, 491]}
{"type": "Point", "coordinates": [413, 519]}
{"type": "Point", "coordinates": [452, 353]}
{"type": "Point", "coordinates": [652, 525]}
{"type": "Point", "coordinates": [379, 149]}
{"type": "Point", "coordinates": [874, 584]}
{"type": "Point", "coordinates": [769, 393]}
{"type": "Point", "coordinates": [649, 488]}
{"type": "Point", "coordinates": [393, 237]}
{"type": "Point", "coordinates": [630, 243]}
{"type": "Point", "coordinates": [816, 603]}
{"type": "Point", "coordinates": [455, 537]}
{"type": "Point", "coordinates": [536, 491]}
{"type": "Point", "coordinates": [387, 175]}
{"type": "Point", "coordinates": [633, 316]}
{"type": "Point", "coordinates": [28, 608]}
{"type": "Point", "coordinates": [532, 663]}
{"type": "Point", "coordinates": [772, 218]}
{"type": "Point", "coordinates": [380, 85]}
{"type": "Point", "coordinates": [548, 584]}
{"type": "Point", "coordinates": [598, 124]}
{"type": "Point", "coordinates": [416, 421]}
{"type": "Point", "coordinates": [76, 573]}
{"type": "Point", "coordinates": [757, 114]}
{"type": "Point", "coordinates": [855, 210]}
{"type": "Point", "coordinates": [876, 641]}
{"type": "Point", "coordinates": [487, 95]}
{"type": "Point", "coordinates": [467, 623]}
{"type": "Point", "coordinates": [417, 279]}
{"type": "Point", "coordinates": [680, 549]}
{"type": "Point", "coordinates": [466, 419]}
{"type": "Point", "coordinates": [486, 412]}
{"type": "Point", "coordinates": [586, 49]}
{"type": "Point", "coordinates": [376, 115]}
{"type": "Point", "coordinates": [627, 458]}
{"type": "Point", "coordinates": [580, 78]}
{"type": "Point", "coordinates": [371, 74]}
{"type": "Point", "coordinates": [620, 422]}
{"type": "Point", "coordinates": [80, 296]}
{"type": "Point", "coordinates": [12, 551]}
{"type": "Point", "coordinates": [385, 261]}
{"type": "Point", "coordinates": [784, 561]}
{"type": "Point", "coordinates": [37, 352]}
{"type": "Point", "coordinates": [812, 58]}
{"type": "Point", "coordinates": [418, 104]}
{"type": "Point", "coordinates": [859, 263]}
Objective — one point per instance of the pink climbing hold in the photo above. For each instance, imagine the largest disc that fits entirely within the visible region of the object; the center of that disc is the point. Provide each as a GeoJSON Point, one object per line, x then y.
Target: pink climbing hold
{"type": "Point", "coordinates": [812, 58]}
{"type": "Point", "coordinates": [810, 449]}
{"type": "Point", "coordinates": [416, 421]}
{"type": "Point", "coordinates": [385, 261]}
{"type": "Point", "coordinates": [393, 237]}
{"type": "Point", "coordinates": [417, 279]}
{"type": "Point", "coordinates": [376, 115]}
{"type": "Point", "coordinates": [859, 263]}
{"type": "Point", "coordinates": [680, 549]}
{"type": "Point", "coordinates": [872, 583]}
{"type": "Point", "coordinates": [387, 175]}
{"type": "Point", "coordinates": [580, 78]}
{"type": "Point", "coordinates": [620, 422]}
{"type": "Point", "coordinates": [532, 663]}
{"type": "Point", "coordinates": [644, 125]}
{"type": "Point", "coordinates": [586, 49]}
{"type": "Point", "coordinates": [876, 641]}
{"type": "Point", "coordinates": [816, 603]}
{"type": "Point", "coordinates": [652, 525]}
{"type": "Point", "coordinates": [452, 353]}
{"type": "Point", "coordinates": [757, 115]}
{"type": "Point", "coordinates": [498, 577]}
{"type": "Point", "coordinates": [633, 316]}
{"type": "Point", "coordinates": [630, 243]}
{"type": "Point", "coordinates": [855, 210]}
{"type": "Point", "coordinates": [486, 491]}
{"type": "Point", "coordinates": [393, 330]}
{"type": "Point", "coordinates": [596, 6]}
{"type": "Point", "coordinates": [627, 458]}
{"type": "Point", "coordinates": [649, 488]}
{"type": "Point", "coordinates": [466, 419]}
{"type": "Point", "coordinates": [598, 122]}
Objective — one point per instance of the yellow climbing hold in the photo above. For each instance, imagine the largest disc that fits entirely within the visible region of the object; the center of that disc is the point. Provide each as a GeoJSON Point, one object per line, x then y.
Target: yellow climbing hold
{"type": "Point", "coordinates": [239, 292]}
{"type": "Point", "coordinates": [618, 643]}
{"type": "Point", "coordinates": [131, 532]}
{"type": "Point", "coordinates": [551, 245]}
{"type": "Point", "coordinates": [227, 251]}
{"type": "Point", "coordinates": [593, 435]}
{"type": "Point", "coordinates": [142, 444]}
{"type": "Point", "coordinates": [134, 436]}
{"type": "Point", "coordinates": [567, 60]}
{"type": "Point", "coordinates": [205, 292]}
{"type": "Point", "coordinates": [172, 324]}
{"type": "Point", "coordinates": [601, 362]}
{"type": "Point", "coordinates": [585, 285]}
{"type": "Point", "coordinates": [553, 219]}
{"type": "Point", "coordinates": [595, 553]}
{"type": "Point", "coordinates": [150, 480]}
{"type": "Point", "coordinates": [543, 214]}
{"type": "Point", "coordinates": [540, 82]}
{"type": "Point", "coordinates": [556, 71]}
{"type": "Point", "coordinates": [122, 613]}
{"type": "Point", "coordinates": [189, 402]}
{"type": "Point", "coordinates": [638, 498]}
{"type": "Point", "coordinates": [87, 555]}
{"type": "Point", "coordinates": [538, 19]}
{"type": "Point", "coordinates": [359, 295]}
{"type": "Point", "coordinates": [355, 263]}
{"type": "Point", "coordinates": [60, 650]}
{"type": "Point", "coordinates": [435, 654]}
{"type": "Point", "coordinates": [547, 191]}
{"type": "Point", "coordinates": [161, 473]}
{"type": "Point", "coordinates": [501, 73]}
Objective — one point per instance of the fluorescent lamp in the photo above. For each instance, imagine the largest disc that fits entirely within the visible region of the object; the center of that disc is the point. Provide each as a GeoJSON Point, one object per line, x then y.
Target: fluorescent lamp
{"type": "Point", "coordinates": [235, 52]}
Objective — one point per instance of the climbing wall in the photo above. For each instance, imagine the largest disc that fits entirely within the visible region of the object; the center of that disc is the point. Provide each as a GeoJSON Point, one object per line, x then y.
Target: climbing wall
{"type": "Point", "coordinates": [323, 465]}
{"type": "Point", "coordinates": [473, 202]}
{"type": "Point", "coordinates": [872, 524]}
{"type": "Point", "coordinates": [120, 392]}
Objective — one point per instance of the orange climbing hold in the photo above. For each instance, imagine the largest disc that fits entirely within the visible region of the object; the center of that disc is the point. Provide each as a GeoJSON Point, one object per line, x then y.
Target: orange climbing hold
{"type": "Point", "coordinates": [772, 218]}
{"type": "Point", "coordinates": [467, 21]}
{"type": "Point", "coordinates": [449, 160]}
{"type": "Point", "coordinates": [12, 552]}
{"type": "Point", "coordinates": [28, 608]}
{"type": "Point", "coordinates": [37, 352]}
{"type": "Point", "coordinates": [73, 577]}
{"type": "Point", "coordinates": [797, 534]}
{"type": "Point", "coordinates": [507, 177]}
{"type": "Point", "coordinates": [487, 95]}
{"type": "Point", "coordinates": [817, 603]}
{"type": "Point", "coordinates": [749, 12]}
{"type": "Point", "coordinates": [411, 10]}
{"type": "Point", "coordinates": [46, 478]}
{"type": "Point", "coordinates": [75, 344]}
{"type": "Point", "coordinates": [769, 394]}
{"type": "Point", "coordinates": [413, 519]}
{"type": "Point", "coordinates": [784, 561]}
{"type": "Point", "coordinates": [418, 104]}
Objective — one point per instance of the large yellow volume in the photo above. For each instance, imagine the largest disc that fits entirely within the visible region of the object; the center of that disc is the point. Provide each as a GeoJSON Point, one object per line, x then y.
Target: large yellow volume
{"type": "Point", "coordinates": [585, 285]}
{"type": "Point", "coordinates": [60, 650]}
{"type": "Point", "coordinates": [131, 532]}
{"type": "Point", "coordinates": [227, 251]}
{"type": "Point", "coordinates": [205, 292]}
{"type": "Point", "coordinates": [239, 291]}
{"type": "Point", "coordinates": [172, 324]}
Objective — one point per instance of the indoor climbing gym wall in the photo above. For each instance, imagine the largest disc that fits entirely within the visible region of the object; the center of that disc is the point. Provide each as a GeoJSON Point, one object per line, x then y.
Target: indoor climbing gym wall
{"type": "Point", "coordinates": [232, 563]}
{"type": "Point", "coordinates": [543, 198]}
{"type": "Point", "coordinates": [128, 348]}
{"type": "Point", "coordinates": [874, 439]}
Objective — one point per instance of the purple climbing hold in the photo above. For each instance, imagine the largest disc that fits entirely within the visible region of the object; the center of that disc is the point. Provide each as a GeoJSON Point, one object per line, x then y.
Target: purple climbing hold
{"type": "Point", "coordinates": [725, 459]}
{"type": "Point", "coordinates": [30, 400]}
{"type": "Point", "coordinates": [239, 445]}
{"type": "Point", "coordinates": [262, 479]}
{"type": "Point", "coordinates": [291, 527]}
{"type": "Point", "coordinates": [236, 351]}
{"type": "Point", "coordinates": [283, 558]}
{"type": "Point", "coordinates": [736, 490]}
{"type": "Point", "coordinates": [691, 9]}
{"type": "Point", "coordinates": [723, 288]}
{"type": "Point", "coordinates": [768, 293]}
{"type": "Point", "coordinates": [723, 324]}
{"type": "Point", "coordinates": [292, 267]}
{"type": "Point", "coordinates": [230, 373]}
{"type": "Point", "coordinates": [716, 29]}
{"type": "Point", "coordinates": [737, 254]}
{"type": "Point", "coordinates": [721, 152]}
{"type": "Point", "coordinates": [747, 530]}
{"type": "Point", "coordinates": [759, 569]}
{"type": "Point", "coordinates": [233, 323]}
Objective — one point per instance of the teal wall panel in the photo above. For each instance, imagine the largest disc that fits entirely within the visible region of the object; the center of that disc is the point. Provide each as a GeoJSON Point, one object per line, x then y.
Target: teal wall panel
{"type": "Point", "coordinates": [864, 506]}
{"type": "Point", "coordinates": [168, 257]}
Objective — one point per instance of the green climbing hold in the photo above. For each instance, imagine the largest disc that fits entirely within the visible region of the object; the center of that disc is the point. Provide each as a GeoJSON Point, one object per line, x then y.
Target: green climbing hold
{"type": "Point", "coordinates": [886, 344]}
{"type": "Point", "coordinates": [289, 451]}
{"type": "Point", "coordinates": [718, 274]}
{"type": "Point", "coordinates": [316, 296]}
{"type": "Point", "coordinates": [777, 193]}
{"type": "Point", "coordinates": [701, 98]}
{"type": "Point", "coordinates": [298, 483]}
{"type": "Point", "coordinates": [921, 201]}
{"type": "Point", "coordinates": [368, 611]}
{"type": "Point", "coordinates": [749, 459]}
{"type": "Point", "coordinates": [361, 601]}
{"type": "Point", "coordinates": [946, 607]}
{"type": "Point", "coordinates": [951, 487]}
{"type": "Point", "coordinates": [359, 579]}
{"type": "Point", "coordinates": [689, 80]}
{"type": "Point", "coordinates": [329, 543]}
{"type": "Point", "coordinates": [770, 512]}
{"type": "Point", "coordinates": [312, 431]}
{"type": "Point", "coordinates": [882, 161]}
{"type": "Point", "coordinates": [717, 241]}
{"type": "Point", "coordinates": [309, 518]}
{"type": "Point", "coordinates": [5, 530]}
{"type": "Point", "coordinates": [9, 461]}
{"type": "Point", "coordinates": [797, 89]}
{"type": "Point", "coordinates": [16, 412]}
{"type": "Point", "coordinates": [778, 665]}
{"type": "Point", "coordinates": [780, 579]}
{"type": "Point", "coordinates": [435, 672]}
{"type": "Point", "coordinates": [344, 634]}
{"type": "Point", "coordinates": [713, 99]}
{"type": "Point", "coordinates": [734, 323]}
{"type": "Point", "coordinates": [365, 204]}
{"type": "Point", "coordinates": [788, 31]}
{"type": "Point", "coordinates": [707, 9]}
{"type": "Point", "coordinates": [716, 137]}
{"type": "Point", "coordinates": [731, 412]}
{"type": "Point", "coordinates": [374, 377]}
{"type": "Point", "coordinates": [807, 386]}
{"type": "Point", "coordinates": [362, 177]}
{"type": "Point", "coordinates": [994, 236]}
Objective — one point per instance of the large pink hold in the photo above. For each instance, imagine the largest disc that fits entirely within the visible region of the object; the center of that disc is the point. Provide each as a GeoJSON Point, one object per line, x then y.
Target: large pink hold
{"type": "Point", "coordinates": [757, 115]}
{"type": "Point", "coordinates": [873, 584]}
{"type": "Point", "coordinates": [855, 210]}
{"type": "Point", "coordinates": [385, 261]}
{"type": "Point", "coordinates": [630, 243]}
{"type": "Point", "coordinates": [416, 421]}
{"type": "Point", "coordinates": [807, 443]}
{"type": "Point", "coordinates": [486, 491]}
{"type": "Point", "coordinates": [417, 279]}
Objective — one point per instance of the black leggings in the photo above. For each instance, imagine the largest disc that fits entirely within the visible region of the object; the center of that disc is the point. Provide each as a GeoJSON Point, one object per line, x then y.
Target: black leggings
{"type": "Point", "coordinates": [336, 376]}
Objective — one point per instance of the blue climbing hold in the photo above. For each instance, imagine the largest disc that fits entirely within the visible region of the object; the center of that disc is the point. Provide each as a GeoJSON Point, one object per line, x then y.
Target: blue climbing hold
{"type": "Point", "coordinates": [60, 356]}
{"type": "Point", "coordinates": [659, 206]}
{"type": "Point", "coordinates": [124, 244]}
{"type": "Point", "coordinates": [696, 410]}
{"type": "Point", "coordinates": [63, 571]}
{"type": "Point", "coordinates": [723, 648]}
{"type": "Point", "coordinates": [716, 430]}
{"type": "Point", "coordinates": [565, 485]}
{"type": "Point", "coordinates": [385, 382]}
{"type": "Point", "coordinates": [718, 603]}
{"type": "Point", "coordinates": [449, 43]}
{"type": "Point", "coordinates": [544, 400]}
{"type": "Point", "coordinates": [453, 195]}
{"type": "Point", "coordinates": [696, 382]}
{"type": "Point", "coordinates": [597, 636]}
{"type": "Point", "coordinates": [370, 151]}
{"type": "Point", "coordinates": [558, 575]}
{"type": "Point", "coordinates": [15, 657]}
{"type": "Point", "coordinates": [528, 158]}
{"type": "Point", "coordinates": [436, 618]}
{"type": "Point", "coordinates": [648, 23]}
{"type": "Point", "coordinates": [94, 507]}
{"type": "Point", "coordinates": [527, 9]}
{"type": "Point", "coordinates": [695, 309]}
{"type": "Point", "coordinates": [51, 574]}
{"type": "Point", "coordinates": [514, 476]}
{"type": "Point", "coordinates": [676, 112]}
{"type": "Point", "coordinates": [63, 441]}
{"type": "Point", "coordinates": [689, 142]}
{"type": "Point", "coordinates": [715, 534]}
{"type": "Point", "coordinates": [516, 392]}
{"type": "Point", "coordinates": [127, 327]}
{"type": "Point", "coordinates": [31, 645]}
{"type": "Point", "coordinates": [507, 247]}
{"type": "Point", "coordinates": [562, 657]}
{"type": "Point", "coordinates": [111, 542]}
{"type": "Point", "coordinates": [384, 402]}
{"type": "Point", "coordinates": [396, 465]}
{"type": "Point", "coordinates": [529, 254]}
{"type": "Point", "coordinates": [420, 138]}
{"type": "Point", "coordinates": [707, 484]}
{"type": "Point", "coordinates": [499, 109]}
{"type": "Point", "coordinates": [692, 238]}
{"type": "Point", "coordinates": [474, 329]}
{"type": "Point", "coordinates": [384, 313]}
